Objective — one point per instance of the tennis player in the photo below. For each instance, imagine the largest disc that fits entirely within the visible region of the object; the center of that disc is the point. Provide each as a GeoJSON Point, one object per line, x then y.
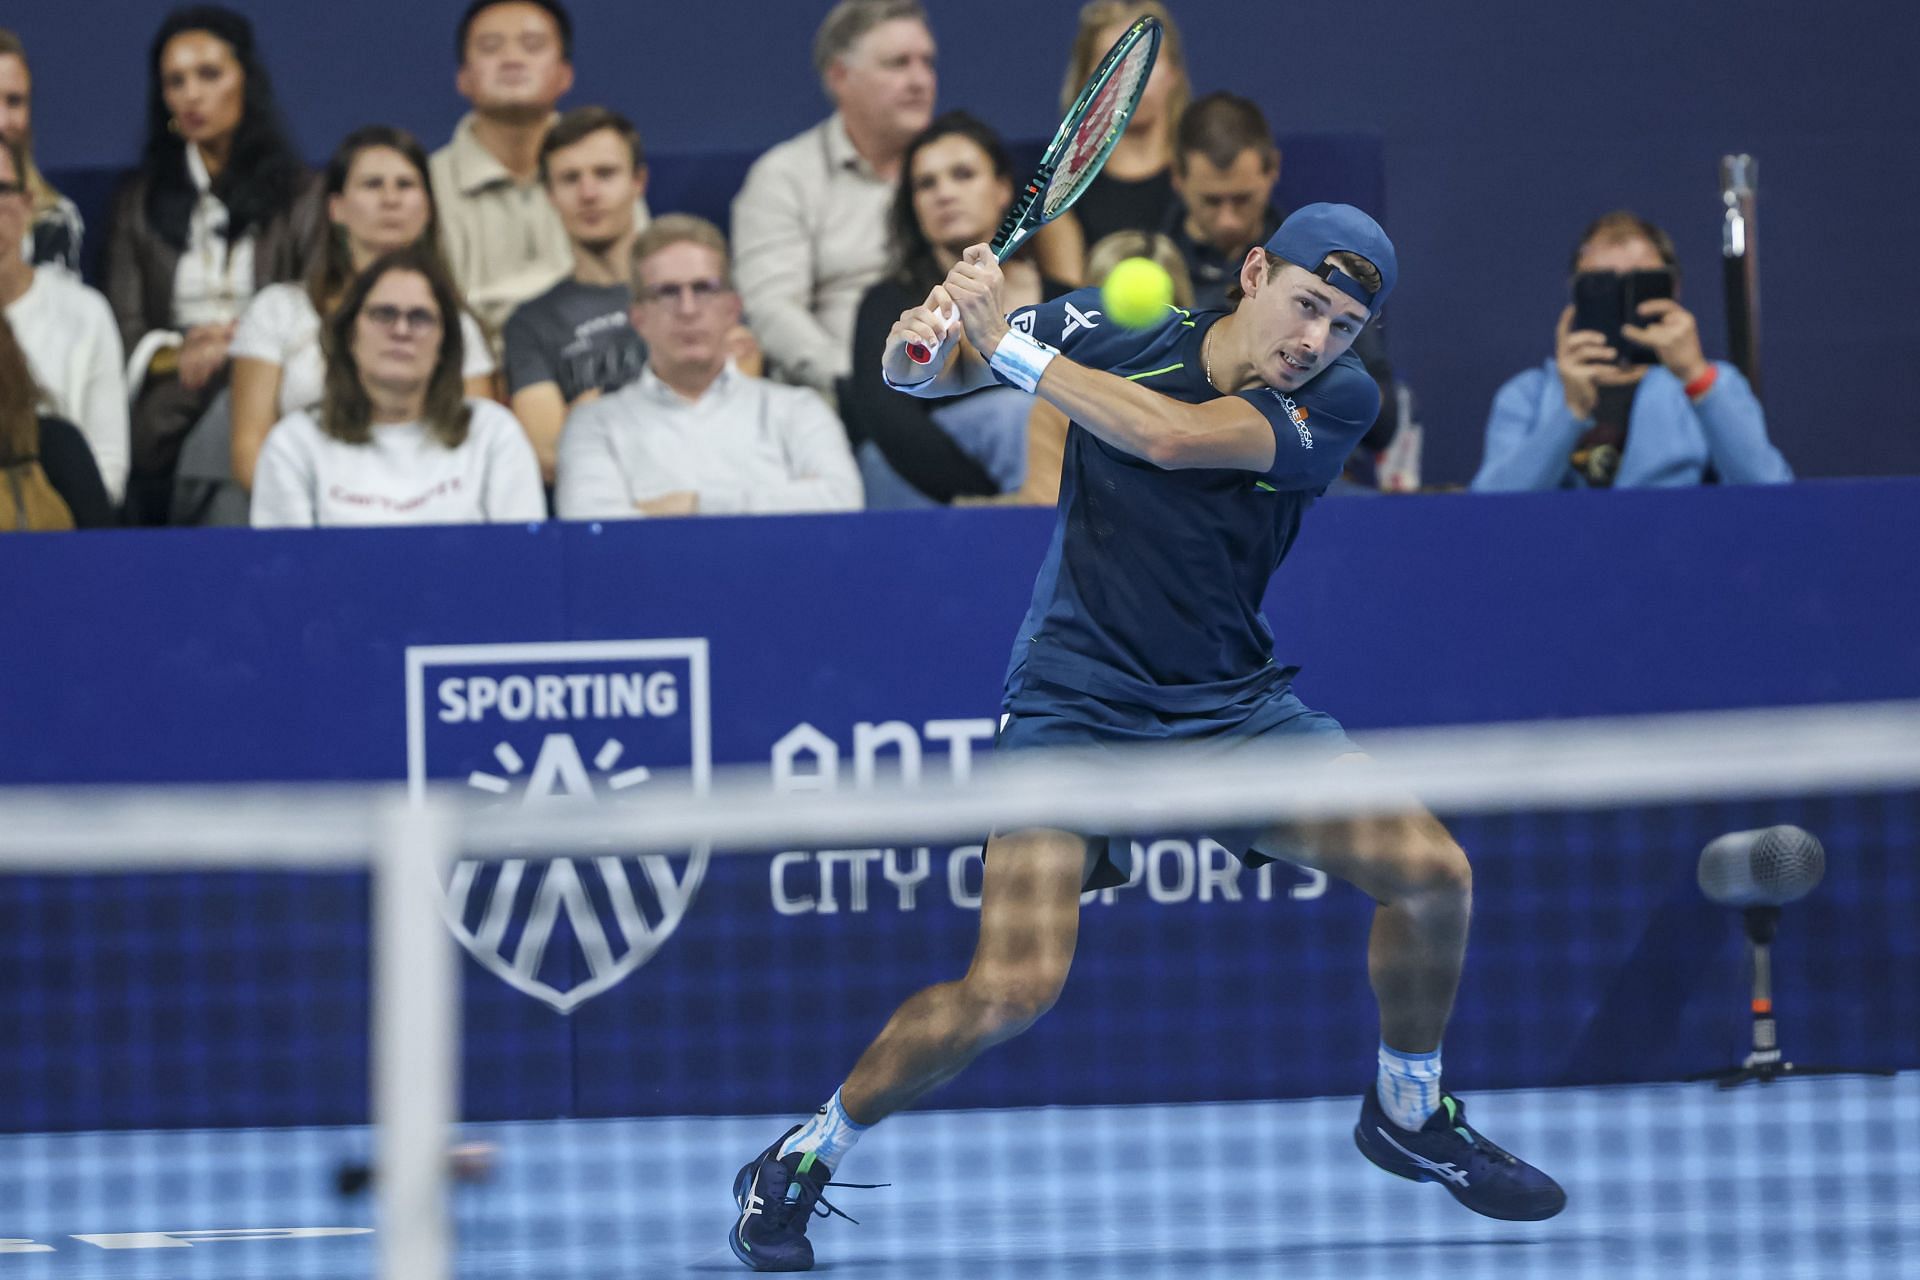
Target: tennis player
{"type": "Point", "coordinates": [1196, 448]}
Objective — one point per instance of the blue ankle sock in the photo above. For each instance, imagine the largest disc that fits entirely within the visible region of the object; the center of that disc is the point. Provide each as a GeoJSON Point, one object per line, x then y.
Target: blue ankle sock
{"type": "Point", "coordinates": [829, 1133]}
{"type": "Point", "coordinates": [1409, 1085]}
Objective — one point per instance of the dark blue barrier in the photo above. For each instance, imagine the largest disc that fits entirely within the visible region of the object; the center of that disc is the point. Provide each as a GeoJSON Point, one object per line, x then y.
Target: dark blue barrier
{"type": "Point", "coordinates": [843, 645]}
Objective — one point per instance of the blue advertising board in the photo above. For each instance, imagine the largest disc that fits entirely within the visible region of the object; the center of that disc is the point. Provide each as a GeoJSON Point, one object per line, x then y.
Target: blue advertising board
{"type": "Point", "coordinates": [592, 663]}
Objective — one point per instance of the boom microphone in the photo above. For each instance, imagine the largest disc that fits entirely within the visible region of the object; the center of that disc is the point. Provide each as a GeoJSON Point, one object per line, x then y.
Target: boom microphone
{"type": "Point", "coordinates": [1765, 868]}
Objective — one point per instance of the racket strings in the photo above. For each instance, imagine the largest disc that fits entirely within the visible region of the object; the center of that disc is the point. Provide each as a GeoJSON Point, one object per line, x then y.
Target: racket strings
{"type": "Point", "coordinates": [1106, 118]}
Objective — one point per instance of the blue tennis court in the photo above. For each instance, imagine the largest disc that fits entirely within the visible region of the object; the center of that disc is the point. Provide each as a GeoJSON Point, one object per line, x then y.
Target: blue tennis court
{"type": "Point", "coordinates": [1811, 1178]}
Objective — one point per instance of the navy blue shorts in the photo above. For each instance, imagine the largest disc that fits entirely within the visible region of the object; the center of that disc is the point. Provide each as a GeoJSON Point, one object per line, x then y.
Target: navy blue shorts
{"type": "Point", "coordinates": [1039, 714]}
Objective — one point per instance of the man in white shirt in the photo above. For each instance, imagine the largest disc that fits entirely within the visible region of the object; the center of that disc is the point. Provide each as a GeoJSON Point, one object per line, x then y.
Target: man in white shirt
{"type": "Point", "coordinates": [695, 435]}
{"type": "Point", "coordinates": [68, 333]}
{"type": "Point", "coordinates": [810, 223]}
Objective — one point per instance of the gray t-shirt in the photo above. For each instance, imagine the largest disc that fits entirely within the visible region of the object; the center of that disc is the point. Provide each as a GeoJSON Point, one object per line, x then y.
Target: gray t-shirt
{"type": "Point", "coordinates": [578, 336]}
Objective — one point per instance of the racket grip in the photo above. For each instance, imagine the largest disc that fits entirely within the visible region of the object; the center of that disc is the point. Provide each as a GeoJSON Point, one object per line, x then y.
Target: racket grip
{"type": "Point", "coordinates": [920, 353]}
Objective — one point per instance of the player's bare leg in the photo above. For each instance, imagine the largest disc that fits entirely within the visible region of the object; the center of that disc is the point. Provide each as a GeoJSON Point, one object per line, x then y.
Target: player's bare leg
{"type": "Point", "coordinates": [1029, 923]}
{"type": "Point", "coordinates": [1420, 879]}
{"type": "Point", "coordinates": [1411, 867]}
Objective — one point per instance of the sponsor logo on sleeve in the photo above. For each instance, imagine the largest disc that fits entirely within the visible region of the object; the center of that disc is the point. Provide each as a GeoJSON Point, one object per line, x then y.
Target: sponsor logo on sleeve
{"type": "Point", "coordinates": [1078, 320]}
{"type": "Point", "coordinates": [1297, 414]}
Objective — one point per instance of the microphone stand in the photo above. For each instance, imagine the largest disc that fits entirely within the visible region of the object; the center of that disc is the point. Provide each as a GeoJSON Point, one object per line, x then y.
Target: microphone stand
{"type": "Point", "coordinates": [1764, 1064]}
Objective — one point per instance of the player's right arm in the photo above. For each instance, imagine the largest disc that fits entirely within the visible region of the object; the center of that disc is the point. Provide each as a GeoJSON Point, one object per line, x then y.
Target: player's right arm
{"type": "Point", "coordinates": [959, 368]}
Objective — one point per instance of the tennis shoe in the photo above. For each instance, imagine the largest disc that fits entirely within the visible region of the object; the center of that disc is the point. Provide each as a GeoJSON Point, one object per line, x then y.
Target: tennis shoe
{"type": "Point", "coordinates": [1448, 1151]}
{"type": "Point", "coordinates": [778, 1197]}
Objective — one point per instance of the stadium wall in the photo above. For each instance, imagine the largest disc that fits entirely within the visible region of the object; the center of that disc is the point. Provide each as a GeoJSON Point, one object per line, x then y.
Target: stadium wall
{"type": "Point", "coordinates": [1506, 127]}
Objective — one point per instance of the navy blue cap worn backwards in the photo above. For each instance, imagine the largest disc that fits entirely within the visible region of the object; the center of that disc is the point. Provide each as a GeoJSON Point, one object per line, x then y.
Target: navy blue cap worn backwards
{"type": "Point", "coordinates": [1311, 233]}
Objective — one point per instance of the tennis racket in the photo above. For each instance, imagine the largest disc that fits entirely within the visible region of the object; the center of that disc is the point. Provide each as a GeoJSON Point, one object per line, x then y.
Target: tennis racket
{"type": "Point", "coordinates": [1077, 153]}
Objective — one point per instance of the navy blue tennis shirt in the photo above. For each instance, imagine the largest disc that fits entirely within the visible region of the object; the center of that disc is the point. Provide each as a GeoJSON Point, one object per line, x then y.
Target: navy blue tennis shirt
{"type": "Point", "coordinates": [1150, 592]}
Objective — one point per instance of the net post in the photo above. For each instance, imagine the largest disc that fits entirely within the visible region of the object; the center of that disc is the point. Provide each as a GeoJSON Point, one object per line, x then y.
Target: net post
{"type": "Point", "coordinates": [414, 1041]}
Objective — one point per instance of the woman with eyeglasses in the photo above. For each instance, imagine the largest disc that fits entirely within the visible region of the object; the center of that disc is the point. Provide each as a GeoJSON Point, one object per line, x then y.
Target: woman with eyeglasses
{"type": "Point", "coordinates": [395, 440]}
{"type": "Point", "coordinates": [53, 237]}
{"type": "Point", "coordinates": [220, 206]}
{"type": "Point", "coordinates": [378, 200]}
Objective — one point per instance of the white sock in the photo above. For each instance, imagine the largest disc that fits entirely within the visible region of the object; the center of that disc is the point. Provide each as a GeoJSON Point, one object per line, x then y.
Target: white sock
{"type": "Point", "coordinates": [829, 1133]}
{"type": "Point", "coordinates": [1409, 1086]}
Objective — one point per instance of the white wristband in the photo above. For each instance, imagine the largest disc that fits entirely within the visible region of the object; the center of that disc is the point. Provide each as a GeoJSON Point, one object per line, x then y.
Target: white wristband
{"type": "Point", "coordinates": [1020, 360]}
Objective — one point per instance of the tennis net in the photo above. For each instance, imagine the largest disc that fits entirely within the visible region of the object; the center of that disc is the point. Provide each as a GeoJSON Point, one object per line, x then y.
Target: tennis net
{"type": "Point", "coordinates": [547, 1035]}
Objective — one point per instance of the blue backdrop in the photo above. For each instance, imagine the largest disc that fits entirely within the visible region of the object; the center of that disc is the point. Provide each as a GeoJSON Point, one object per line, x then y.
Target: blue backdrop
{"type": "Point", "coordinates": [1505, 130]}
{"type": "Point", "coordinates": [812, 645]}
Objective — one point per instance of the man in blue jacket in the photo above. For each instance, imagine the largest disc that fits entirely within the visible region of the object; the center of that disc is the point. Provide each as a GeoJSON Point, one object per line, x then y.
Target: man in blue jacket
{"type": "Point", "coordinates": [1583, 420]}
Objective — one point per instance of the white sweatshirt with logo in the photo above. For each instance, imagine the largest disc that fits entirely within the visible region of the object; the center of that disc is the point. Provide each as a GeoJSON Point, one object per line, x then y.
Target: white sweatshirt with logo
{"type": "Point", "coordinates": [307, 478]}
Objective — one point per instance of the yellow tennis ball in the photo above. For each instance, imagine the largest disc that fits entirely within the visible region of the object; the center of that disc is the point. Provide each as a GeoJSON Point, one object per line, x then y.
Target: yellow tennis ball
{"type": "Point", "coordinates": [1137, 293]}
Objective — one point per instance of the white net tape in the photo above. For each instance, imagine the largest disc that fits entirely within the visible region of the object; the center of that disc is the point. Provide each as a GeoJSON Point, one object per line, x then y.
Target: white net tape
{"type": "Point", "coordinates": [1483, 769]}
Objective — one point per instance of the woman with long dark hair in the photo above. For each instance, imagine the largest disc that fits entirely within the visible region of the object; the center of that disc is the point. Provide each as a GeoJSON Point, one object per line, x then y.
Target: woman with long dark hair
{"type": "Point", "coordinates": [956, 182]}
{"type": "Point", "coordinates": [395, 440]}
{"type": "Point", "coordinates": [48, 479]}
{"type": "Point", "coordinates": [219, 207]}
{"type": "Point", "coordinates": [378, 200]}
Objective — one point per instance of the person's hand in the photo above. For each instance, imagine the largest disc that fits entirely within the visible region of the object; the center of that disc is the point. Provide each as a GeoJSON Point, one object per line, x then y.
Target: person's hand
{"type": "Point", "coordinates": [1586, 363]}
{"type": "Point", "coordinates": [745, 350]}
{"type": "Point", "coordinates": [978, 289]}
{"type": "Point", "coordinates": [204, 354]}
{"type": "Point", "coordinates": [681, 502]}
{"type": "Point", "coordinates": [925, 324]}
{"type": "Point", "coordinates": [1673, 335]}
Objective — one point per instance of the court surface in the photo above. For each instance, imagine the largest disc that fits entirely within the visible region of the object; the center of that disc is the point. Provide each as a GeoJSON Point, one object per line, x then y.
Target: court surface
{"type": "Point", "coordinates": [1815, 1178]}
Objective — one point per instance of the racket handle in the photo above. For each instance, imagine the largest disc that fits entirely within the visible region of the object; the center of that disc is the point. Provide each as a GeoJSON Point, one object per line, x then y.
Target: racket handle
{"type": "Point", "coordinates": [920, 353]}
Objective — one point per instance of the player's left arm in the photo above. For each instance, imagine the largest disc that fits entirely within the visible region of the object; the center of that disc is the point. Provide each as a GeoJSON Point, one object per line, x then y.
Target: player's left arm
{"type": "Point", "coordinates": [1169, 433]}
{"type": "Point", "coordinates": [1232, 432]}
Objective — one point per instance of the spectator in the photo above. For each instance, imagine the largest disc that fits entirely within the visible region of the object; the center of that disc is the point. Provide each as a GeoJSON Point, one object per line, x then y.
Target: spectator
{"type": "Point", "coordinates": [811, 220]}
{"type": "Point", "coordinates": [956, 182]}
{"type": "Point", "coordinates": [1582, 420]}
{"type": "Point", "coordinates": [48, 479]}
{"type": "Point", "coordinates": [1225, 167]}
{"type": "Point", "coordinates": [54, 234]}
{"type": "Point", "coordinates": [394, 440]}
{"type": "Point", "coordinates": [66, 331]}
{"type": "Point", "coordinates": [503, 240]}
{"type": "Point", "coordinates": [219, 207]}
{"type": "Point", "coordinates": [1135, 190]}
{"type": "Point", "coordinates": [378, 200]}
{"type": "Point", "coordinates": [695, 435]}
{"type": "Point", "coordinates": [576, 340]}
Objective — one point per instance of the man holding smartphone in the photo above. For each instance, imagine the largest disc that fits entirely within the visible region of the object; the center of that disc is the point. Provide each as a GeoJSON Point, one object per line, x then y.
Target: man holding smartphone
{"type": "Point", "coordinates": [1629, 398]}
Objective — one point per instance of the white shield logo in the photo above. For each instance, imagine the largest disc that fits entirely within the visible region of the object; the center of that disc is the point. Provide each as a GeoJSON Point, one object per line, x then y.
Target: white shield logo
{"type": "Point", "coordinates": [564, 723]}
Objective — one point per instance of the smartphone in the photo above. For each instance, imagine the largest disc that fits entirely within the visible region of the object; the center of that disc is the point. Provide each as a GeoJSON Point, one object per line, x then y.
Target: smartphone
{"type": "Point", "coordinates": [1603, 301]}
